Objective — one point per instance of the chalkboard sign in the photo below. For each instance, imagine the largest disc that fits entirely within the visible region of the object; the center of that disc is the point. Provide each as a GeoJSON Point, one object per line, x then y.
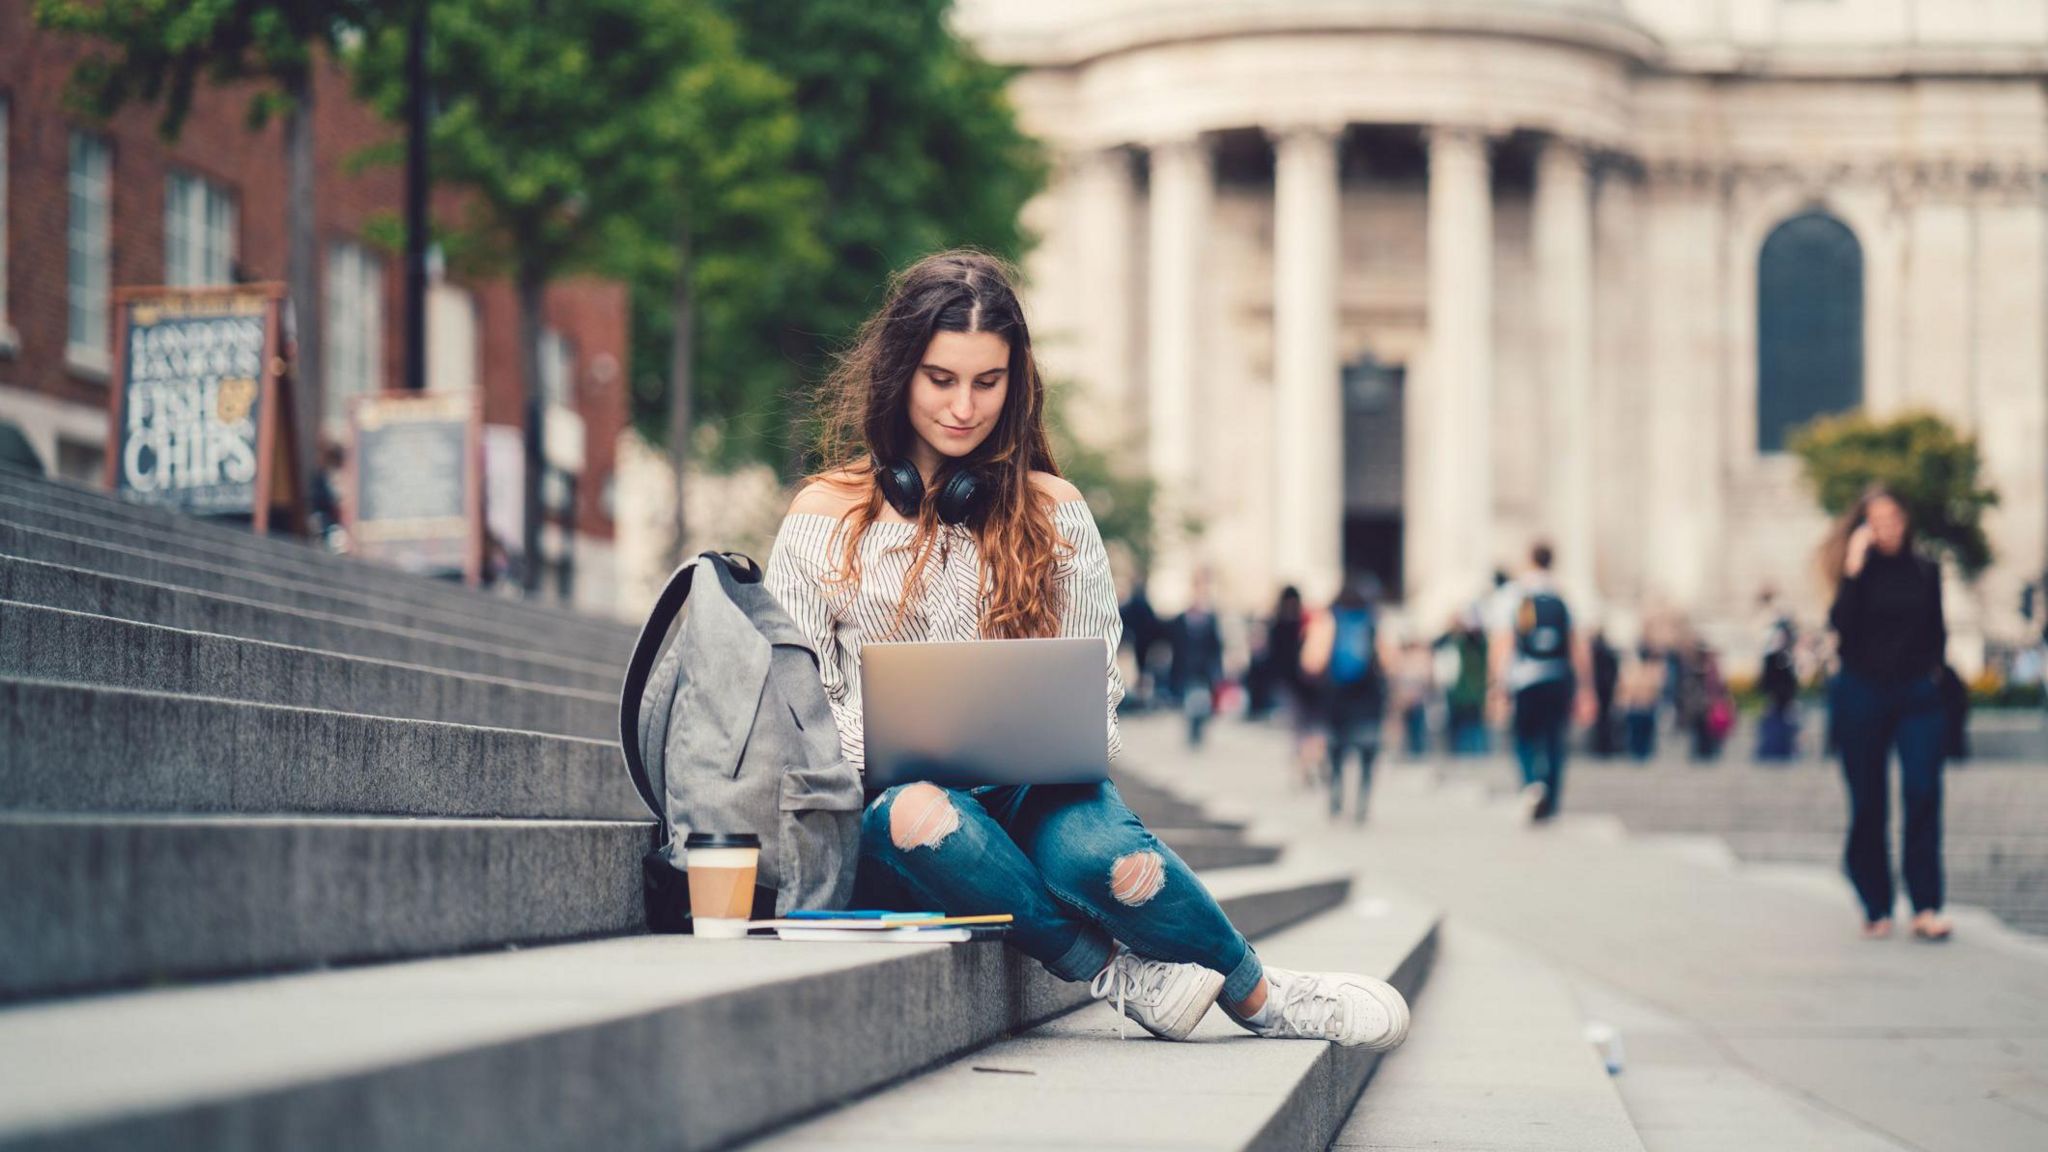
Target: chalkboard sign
{"type": "Point", "coordinates": [415, 485]}
{"type": "Point", "coordinates": [198, 418]}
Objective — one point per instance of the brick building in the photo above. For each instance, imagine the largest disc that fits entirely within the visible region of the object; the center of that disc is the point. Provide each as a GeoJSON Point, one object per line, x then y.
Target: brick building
{"type": "Point", "coordinates": [86, 207]}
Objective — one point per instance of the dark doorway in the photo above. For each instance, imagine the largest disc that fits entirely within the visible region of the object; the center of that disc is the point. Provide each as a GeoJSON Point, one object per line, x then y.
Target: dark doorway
{"type": "Point", "coordinates": [1373, 524]}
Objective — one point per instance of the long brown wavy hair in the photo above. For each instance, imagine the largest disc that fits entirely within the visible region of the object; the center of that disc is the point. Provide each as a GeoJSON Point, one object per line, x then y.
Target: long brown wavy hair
{"type": "Point", "coordinates": [1834, 551]}
{"type": "Point", "coordinates": [866, 403]}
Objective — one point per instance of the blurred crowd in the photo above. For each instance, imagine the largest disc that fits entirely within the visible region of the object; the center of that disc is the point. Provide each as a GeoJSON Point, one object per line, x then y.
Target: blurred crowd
{"type": "Point", "coordinates": [1661, 689]}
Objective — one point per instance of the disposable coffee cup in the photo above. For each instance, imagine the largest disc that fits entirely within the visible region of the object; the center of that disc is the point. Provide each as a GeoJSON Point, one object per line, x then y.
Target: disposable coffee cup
{"type": "Point", "coordinates": [721, 867]}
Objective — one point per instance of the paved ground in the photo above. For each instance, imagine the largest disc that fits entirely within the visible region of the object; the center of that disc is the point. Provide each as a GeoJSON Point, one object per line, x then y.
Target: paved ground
{"type": "Point", "coordinates": [1753, 1014]}
{"type": "Point", "coordinates": [1995, 815]}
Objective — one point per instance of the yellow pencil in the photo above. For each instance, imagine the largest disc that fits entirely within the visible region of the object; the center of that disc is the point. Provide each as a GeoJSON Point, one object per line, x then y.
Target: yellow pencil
{"type": "Point", "coordinates": [948, 921]}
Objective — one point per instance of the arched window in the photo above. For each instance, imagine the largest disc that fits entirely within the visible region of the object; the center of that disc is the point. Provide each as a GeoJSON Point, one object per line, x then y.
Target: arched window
{"type": "Point", "coordinates": [1809, 325]}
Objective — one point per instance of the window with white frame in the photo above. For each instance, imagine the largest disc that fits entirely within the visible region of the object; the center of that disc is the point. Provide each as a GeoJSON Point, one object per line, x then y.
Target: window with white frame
{"type": "Point", "coordinates": [199, 232]}
{"type": "Point", "coordinates": [7, 337]}
{"type": "Point", "coordinates": [355, 327]}
{"type": "Point", "coordinates": [87, 272]}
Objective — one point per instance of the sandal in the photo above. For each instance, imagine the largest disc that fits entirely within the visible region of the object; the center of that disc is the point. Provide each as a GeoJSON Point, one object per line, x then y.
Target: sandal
{"type": "Point", "coordinates": [1932, 926]}
{"type": "Point", "coordinates": [1877, 929]}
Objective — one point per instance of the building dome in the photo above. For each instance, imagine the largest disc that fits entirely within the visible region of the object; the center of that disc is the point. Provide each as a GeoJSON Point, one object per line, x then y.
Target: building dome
{"type": "Point", "coordinates": [1068, 32]}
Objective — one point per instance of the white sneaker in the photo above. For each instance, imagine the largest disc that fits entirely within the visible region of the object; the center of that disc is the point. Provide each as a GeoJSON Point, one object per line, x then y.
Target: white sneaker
{"type": "Point", "coordinates": [1166, 999]}
{"type": "Point", "coordinates": [1352, 1010]}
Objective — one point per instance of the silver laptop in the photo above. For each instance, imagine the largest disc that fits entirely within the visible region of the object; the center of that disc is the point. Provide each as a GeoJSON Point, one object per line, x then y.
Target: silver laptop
{"type": "Point", "coordinates": [981, 712]}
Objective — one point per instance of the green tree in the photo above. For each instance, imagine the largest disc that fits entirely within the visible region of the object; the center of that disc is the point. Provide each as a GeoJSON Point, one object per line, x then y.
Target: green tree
{"type": "Point", "coordinates": [745, 238]}
{"type": "Point", "coordinates": [1120, 499]}
{"type": "Point", "coordinates": [159, 51]}
{"type": "Point", "coordinates": [1933, 469]}
{"type": "Point", "coordinates": [914, 147]}
{"type": "Point", "coordinates": [586, 133]}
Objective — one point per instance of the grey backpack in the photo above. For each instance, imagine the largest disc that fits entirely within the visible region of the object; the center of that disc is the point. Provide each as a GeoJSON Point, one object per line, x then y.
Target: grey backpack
{"type": "Point", "coordinates": [732, 733]}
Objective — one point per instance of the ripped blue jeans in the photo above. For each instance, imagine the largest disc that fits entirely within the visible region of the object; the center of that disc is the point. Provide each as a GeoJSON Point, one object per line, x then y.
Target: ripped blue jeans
{"type": "Point", "coordinates": [1071, 862]}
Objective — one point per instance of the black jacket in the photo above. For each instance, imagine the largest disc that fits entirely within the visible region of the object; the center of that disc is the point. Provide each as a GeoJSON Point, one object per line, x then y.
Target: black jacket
{"type": "Point", "coordinates": [1889, 618]}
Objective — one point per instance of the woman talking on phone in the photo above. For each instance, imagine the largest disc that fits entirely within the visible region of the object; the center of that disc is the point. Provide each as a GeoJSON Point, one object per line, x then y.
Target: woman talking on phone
{"type": "Point", "coordinates": [1887, 613]}
{"type": "Point", "coordinates": [941, 516]}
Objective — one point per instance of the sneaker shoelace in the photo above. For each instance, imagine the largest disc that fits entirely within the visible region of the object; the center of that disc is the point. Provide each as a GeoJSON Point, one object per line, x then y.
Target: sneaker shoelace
{"type": "Point", "coordinates": [1308, 1010]}
{"type": "Point", "coordinates": [1129, 978]}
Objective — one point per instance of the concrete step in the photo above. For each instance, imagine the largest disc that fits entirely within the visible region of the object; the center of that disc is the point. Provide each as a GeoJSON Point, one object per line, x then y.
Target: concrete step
{"type": "Point", "coordinates": [302, 562]}
{"type": "Point", "coordinates": [96, 902]}
{"type": "Point", "coordinates": [637, 1043]}
{"type": "Point", "coordinates": [1207, 847]}
{"type": "Point", "coordinates": [77, 590]}
{"type": "Point", "coordinates": [73, 748]}
{"type": "Point", "coordinates": [77, 551]}
{"type": "Point", "coordinates": [1071, 1084]}
{"type": "Point", "coordinates": [1161, 808]}
{"type": "Point", "coordinates": [277, 553]}
{"type": "Point", "coordinates": [49, 644]}
{"type": "Point", "coordinates": [1497, 1059]}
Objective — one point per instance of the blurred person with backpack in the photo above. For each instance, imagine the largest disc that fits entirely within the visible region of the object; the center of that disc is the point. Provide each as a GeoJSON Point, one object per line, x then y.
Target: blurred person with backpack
{"type": "Point", "coordinates": [1342, 651]}
{"type": "Point", "coordinates": [1541, 669]}
{"type": "Point", "coordinates": [1777, 737]}
{"type": "Point", "coordinates": [1465, 696]}
{"type": "Point", "coordinates": [1706, 703]}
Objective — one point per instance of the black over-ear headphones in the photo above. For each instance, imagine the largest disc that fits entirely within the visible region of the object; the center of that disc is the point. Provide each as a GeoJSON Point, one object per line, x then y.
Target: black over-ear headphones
{"type": "Point", "coordinates": [964, 496]}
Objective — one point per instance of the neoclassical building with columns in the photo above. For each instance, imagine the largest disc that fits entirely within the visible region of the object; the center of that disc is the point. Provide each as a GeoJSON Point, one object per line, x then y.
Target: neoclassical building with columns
{"type": "Point", "coordinates": [1401, 285]}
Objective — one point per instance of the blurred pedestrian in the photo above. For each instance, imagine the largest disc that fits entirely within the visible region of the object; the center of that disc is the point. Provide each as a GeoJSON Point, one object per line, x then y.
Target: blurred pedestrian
{"type": "Point", "coordinates": [1706, 707]}
{"type": "Point", "coordinates": [1197, 660]}
{"type": "Point", "coordinates": [324, 500]}
{"type": "Point", "coordinates": [1465, 696]}
{"type": "Point", "coordinates": [1540, 670]}
{"type": "Point", "coordinates": [1777, 737]}
{"type": "Point", "coordinates": [1413, 687]}
{"type": "Point", "coordinates": [1341, 650]}
{"type": "Point", "coordinates": [1640, 695]}
{"type": "Point", "coordinates": [1887, 612]}
{"type": "Point", "coordinates": [1142, 630]}
{"type": "Point", "coordinates": [1606, 680]}
{"type": "Point", "coordinates": [1293, 690]}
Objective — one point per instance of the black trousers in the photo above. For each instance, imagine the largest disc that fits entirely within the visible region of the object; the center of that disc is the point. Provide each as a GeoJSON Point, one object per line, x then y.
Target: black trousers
{"type": "Point", "coordinates": [1871, 718]}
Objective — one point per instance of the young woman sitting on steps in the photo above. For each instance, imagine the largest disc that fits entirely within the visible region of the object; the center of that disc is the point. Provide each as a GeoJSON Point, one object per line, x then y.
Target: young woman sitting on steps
{"type": "Point", "coordinates": [941, 384]}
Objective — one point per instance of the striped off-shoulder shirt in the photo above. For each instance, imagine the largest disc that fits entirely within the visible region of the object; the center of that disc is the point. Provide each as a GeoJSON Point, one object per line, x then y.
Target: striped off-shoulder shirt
{"type": "Point", "coordinates": [947, 606]}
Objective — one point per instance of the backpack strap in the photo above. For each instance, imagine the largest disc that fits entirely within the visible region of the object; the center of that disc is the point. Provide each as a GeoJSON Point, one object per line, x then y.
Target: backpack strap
{"type": "Point", "coordinates": [647, 650]}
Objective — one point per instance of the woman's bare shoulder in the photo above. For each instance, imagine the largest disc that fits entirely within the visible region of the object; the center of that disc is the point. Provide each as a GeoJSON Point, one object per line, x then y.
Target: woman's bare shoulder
{"type": "Point", "coordinates": [831, 494]}
{"type": "Point", "coordinates": [1055, 486]}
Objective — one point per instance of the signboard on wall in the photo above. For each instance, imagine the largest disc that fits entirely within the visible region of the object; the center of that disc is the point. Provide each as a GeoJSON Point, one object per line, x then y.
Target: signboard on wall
{"type": "Point", "coordinates": [199, 412]}
{"type": "Point", "coordinates": [415, 481]}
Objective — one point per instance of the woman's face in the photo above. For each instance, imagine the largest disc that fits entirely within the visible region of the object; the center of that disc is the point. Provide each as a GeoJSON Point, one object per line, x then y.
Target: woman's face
{"type": "Point", "coordinates": [957, 392]}
{"type": "Point", "coordinates": [1887, 524]}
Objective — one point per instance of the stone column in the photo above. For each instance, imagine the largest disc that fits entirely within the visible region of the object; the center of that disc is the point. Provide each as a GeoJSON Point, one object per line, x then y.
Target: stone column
{"type": "Point", "coordinates": [1563, 221]}
{"type": "Point", "coordinates": [1622, 389]}
{"type": "Point", "coordinates": [1685, 290]}
{"type": "Point", "coordinates": [1182, 179]}
{"type": "Point", "coordinates": [1308, 521]}
{"type": "Point", "coordinates": [1106, 217]}
{"type": "Point", "coordinates": [1461, 361]}
{"type": "Point", "coordinates": [2011, 417]}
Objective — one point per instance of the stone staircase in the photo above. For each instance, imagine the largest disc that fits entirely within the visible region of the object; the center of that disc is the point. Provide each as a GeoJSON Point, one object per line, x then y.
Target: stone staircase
{"type": "Point", "coordinates": [304, 853]}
